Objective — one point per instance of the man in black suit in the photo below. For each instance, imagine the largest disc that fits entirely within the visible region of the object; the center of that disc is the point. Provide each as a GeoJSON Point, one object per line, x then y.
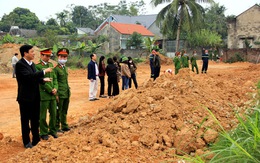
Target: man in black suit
{"type": "Point", "coordinates": [28, 95]}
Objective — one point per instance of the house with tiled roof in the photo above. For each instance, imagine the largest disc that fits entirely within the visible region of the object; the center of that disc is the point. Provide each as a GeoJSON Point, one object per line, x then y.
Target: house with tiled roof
{"type": "Point", "coordinates": [118, 34]}
{"type": "Point", "coordinates": [245, 26]}
{"type": "Point", "coordinates": [148, 21]}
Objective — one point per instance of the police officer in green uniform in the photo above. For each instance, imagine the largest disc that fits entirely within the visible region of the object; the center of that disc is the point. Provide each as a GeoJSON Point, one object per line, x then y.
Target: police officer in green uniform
{"type": "Point", "coordinates": [177, 62]}
{"type": "Point", "coordinates": [48, 93]}
{"type": "Point", "coordinates": [193, 62]}
{"type": "Point", "coordinates": [63, 95]}
{"type": "Point", "coordinates": [184, 59]}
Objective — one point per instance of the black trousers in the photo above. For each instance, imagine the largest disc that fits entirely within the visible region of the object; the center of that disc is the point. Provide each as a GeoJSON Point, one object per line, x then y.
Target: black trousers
{"type": "Point", "coordinates": [102, 85]}
{"type": "Point", "coordinates": [133, 77]}
{"type": "Point", "coordinates": [156, 72]}
{"type": "Point", "coordinates": [30, 114]}
{"type": "Point", "coordinates": [112, 83]}
{"type": "Point", "coordinates": [205, 66]}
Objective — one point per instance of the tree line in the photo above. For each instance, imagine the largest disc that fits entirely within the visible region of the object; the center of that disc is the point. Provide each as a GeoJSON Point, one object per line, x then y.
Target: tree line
{"type": "Point", "coordinates": [180, 19]}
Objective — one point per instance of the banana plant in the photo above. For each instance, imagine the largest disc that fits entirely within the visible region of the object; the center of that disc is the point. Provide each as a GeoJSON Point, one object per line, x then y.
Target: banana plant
{"type": "Point", "coordinates": [80, 47]}
{"type": "Point", "coordinates": [92, 47]}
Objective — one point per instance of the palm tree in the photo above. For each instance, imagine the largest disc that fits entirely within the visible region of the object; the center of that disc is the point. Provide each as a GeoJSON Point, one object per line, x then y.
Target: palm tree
{"type": "Point", "coordinates": [61, 16]}
{"type": "Point", "coordinates": [178, 15]}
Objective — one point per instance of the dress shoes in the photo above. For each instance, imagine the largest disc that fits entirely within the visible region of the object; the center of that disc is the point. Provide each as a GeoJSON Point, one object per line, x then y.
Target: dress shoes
{"type": "Point", "coordinates": [54, 135]}
{"type": "Point", "coordinates": [60, 131]}
{"type": "Point", "coordinates": [92, 99]}
{"type": "Point", "coordinates": [29, 145]}
{"type": "Point", "coordinates": [102, 96]}
{"type": "Point", "coordinates": [96, 99]}
{"type": "Point", "coordinates": [45, 137]}
{"type": "Point", "coordinates": [66, 129]}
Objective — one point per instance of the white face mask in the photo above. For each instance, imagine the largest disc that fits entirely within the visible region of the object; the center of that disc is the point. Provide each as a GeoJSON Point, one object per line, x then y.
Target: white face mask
{"type": "Point", "coordinates": [195, 54]}
{"type": "Point", "coordinates": [62, 61]}
{"type": "Point", "coordinates": [130, 61]}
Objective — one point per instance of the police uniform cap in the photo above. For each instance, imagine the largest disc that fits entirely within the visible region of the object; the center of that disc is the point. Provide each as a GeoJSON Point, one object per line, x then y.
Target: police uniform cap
{"type": "Point", "coordinates": [63, 51]}
{"type": "Point", "coordinates": [46, 51]}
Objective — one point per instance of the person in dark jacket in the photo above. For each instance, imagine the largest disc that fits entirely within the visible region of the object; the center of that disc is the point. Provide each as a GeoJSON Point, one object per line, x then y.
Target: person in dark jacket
{"type": "Point", "coordinates": [93, 77]}
{"type": "Point", "coordinates": [151, 62]}
{"type": "Point", "coordinates": [111, 71]}
{"type": "Point", "coordinates": [102, 73]}
{"type": "Point", "coordinates": [132, 68]}
{"type": "Point", "coordinates": [205, 59]}
{"type": "Point", "coordinates": [28, 95]}
{"type": "Point", "coordinates": [157, 65]}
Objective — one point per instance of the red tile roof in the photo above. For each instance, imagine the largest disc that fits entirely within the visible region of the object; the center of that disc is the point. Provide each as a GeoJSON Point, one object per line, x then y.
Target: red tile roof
{"type": "Point", "coordinates": [131, 28]}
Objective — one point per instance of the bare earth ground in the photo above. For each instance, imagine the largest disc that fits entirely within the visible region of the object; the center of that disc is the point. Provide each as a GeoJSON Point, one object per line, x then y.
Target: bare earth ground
{"type": "Point", "coordinates": [150, 124]}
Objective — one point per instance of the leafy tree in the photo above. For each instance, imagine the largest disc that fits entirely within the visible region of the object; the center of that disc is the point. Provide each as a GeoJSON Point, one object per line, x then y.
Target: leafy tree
{"type": "Point", "coordinates": [82, 17]}
{"type": "Point", "coordinates": [52, 21]}
{"type": "Point", "coordinates": [215, 19]}
{"type": "Point", "coordinates": [204, 38]}
{"type": "Point", "coordinates": [104, 10]}
{"type": "Point", "coordinates": [180, 15]}
{"type": "Point", "coordinates": [100, 39]}
{"type": "Point", "coordinates": [49, 38]}
{"type": "Point", "coordinates": [135, 40]}
{"type": "Point", "coordinates": [21, 17]}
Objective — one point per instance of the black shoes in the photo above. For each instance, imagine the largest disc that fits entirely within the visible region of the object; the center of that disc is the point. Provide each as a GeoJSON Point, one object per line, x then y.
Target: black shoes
{"type": "Point", "coordinates": [54, 135]}
{"type": "Point", "coordinates": [45, 137]}
{"type": "Point", "coordinates": [29, 145]}
{"type": "Point", "coordinates": [66, 129]}
{"type": "Point", "coordinates": [93, 99]}
{"type": "Point", "coordinates": [60, 131]}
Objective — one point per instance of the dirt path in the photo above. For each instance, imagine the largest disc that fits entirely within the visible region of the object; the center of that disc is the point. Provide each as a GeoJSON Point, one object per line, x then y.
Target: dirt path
{"type": "Point", "coordinates": [244, 73]}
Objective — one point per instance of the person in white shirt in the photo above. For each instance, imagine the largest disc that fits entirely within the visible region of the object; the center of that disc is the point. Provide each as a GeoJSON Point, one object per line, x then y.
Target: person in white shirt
{"type": "Point", "coordinates": [14, 61]}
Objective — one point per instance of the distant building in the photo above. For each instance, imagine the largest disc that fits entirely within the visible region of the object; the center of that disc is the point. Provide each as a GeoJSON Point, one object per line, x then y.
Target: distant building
{"type": "Point", "coordinates": [88, 31]}
{"type": "Point", "coordinates": [245, 26]}
{"type": "Point", "coordinates": [27, 33]}
{"type": "Point", "coordinates": [148, 21]}
{"type": "Point", "coordinates": [118, 34]}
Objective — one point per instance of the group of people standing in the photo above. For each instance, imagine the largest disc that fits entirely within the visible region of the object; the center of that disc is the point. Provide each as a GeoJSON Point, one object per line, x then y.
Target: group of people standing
{"type": "Point", "coordinates": [42, 87]}
{"type": "Point", "coordinates": [115, 70]}
{"type": "Point", "coordinates": [181, 60]}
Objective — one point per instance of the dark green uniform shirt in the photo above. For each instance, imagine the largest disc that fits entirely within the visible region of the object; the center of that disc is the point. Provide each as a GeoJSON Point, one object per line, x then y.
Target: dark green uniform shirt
{"type": "Point", "coordinates": [62, 78]}
{"type": "Point", "coordinates": [46, 89]}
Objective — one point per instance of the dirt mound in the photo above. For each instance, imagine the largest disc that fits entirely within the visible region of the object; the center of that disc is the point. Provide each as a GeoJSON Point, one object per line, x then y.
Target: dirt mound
{"type": "Point", "coordinates": [161, 118]}
{"type": "Point", "coordinates": [164, 60]}
{"type": "Point", "coordinates": [7, 52]}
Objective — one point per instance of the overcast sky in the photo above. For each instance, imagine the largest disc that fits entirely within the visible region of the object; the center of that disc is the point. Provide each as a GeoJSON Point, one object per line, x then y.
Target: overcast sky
{"type": "Point", "coordinates": [45, 9]}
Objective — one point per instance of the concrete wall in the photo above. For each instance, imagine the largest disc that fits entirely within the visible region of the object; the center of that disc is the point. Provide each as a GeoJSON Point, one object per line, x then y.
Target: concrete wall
{"type": "Point", "coordinates": [245, 26]}
{"type": "Point", "coordinates": [250, 55]}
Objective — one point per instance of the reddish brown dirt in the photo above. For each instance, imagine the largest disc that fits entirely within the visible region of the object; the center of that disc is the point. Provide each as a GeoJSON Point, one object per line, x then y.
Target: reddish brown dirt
{"type": "Point", "coordinates": [151, 124]}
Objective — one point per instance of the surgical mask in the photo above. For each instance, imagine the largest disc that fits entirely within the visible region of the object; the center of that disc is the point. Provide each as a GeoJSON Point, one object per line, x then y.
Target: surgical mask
{"type": "Point", "coordinates": [62, 61]}
{"type": "Point", "coordinates": [130, 61]}
{"type": "Point", "coordinates": [195, 54]}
